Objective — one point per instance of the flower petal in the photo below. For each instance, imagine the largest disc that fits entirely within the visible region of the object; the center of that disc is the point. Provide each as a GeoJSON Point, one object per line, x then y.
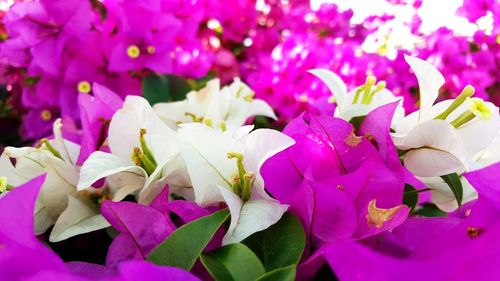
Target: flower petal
{"type": "Point", "coordinates": [100, 165]}
{"type": "Point", "coordinates": [78, 218]}
{"type": "Point", "coordinates": [429, 81]}
{"type": "Point", "coordinates": [334, 83]}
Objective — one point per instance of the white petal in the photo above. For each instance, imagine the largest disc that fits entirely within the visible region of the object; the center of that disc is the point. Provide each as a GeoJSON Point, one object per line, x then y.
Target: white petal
{"type": "Point", "coordinates": [125, 126]}
{"type": "Point", "coordinates": [491, 154]}
{"type": "Point", "coordinates": [334, 83]}
{"type": "Point", "coordinates": [479, 134]}
{"type": "Point", "coordinates": [425, 162]}
{"type": "Point", "coordinates": [217, 106]}
{"type": "Point", "coordinates": [436, 134]}
{"type": "Point", "coordinates": [69, 150]}
{"type": "Point", "coordinates": [254, 216]}
{"type": "Point", "coordinates": [436, 149]}
{"type": "Point", "coordinates": [261, 108]}
{"type": "Point", "coordinates": [42, 219]}
{"type": "Point", "coordinates": [14, 177]}
{"type": "Point", "coordinates": [78, 218]}
{"type": "Point", "coordinates": [164, 147]}
{"type": "Point", "coordinates": [100, 165]}
{"type": "Point", "coordinates": [171, 113]}
{"type": "Point", "coordinates": [260, 145]}
{"type": "Point", "coordinates": [429, 81]}
{"type": "Point", "coordinates": [205, 152]}
{"type": "Point", "coordinates": [122, 184]}
{"type": "Point", "coordinates": [56, 189]}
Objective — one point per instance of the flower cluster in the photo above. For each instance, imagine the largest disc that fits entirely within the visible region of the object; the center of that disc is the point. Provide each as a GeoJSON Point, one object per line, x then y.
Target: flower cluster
{"type": "Point", "coordinates": [369, 192]}
{"type": "Point", "coordinates": [57, 49]}
{"type": "Point", "coordinates": [53, 51]}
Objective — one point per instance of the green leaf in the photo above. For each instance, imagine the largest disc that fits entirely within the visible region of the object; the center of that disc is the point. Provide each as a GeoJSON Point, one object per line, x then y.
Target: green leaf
{"type": "Point", "coordinates": [410, 196]}
{"type": "Point", "coordinates": [280, 245]}
{"type": "Point", "coordinates": [164, 88]}
{"type": "Point", "coordinates": [357, 121]}
{"type": "Point", "coordinates": [183, 247]}
{"type": "Point", "coordinates": [286, 273]}
{"type": "Point", "coordinates": [233, 262]}
{"type": "Point", "coordinates": [453, 181]}
{"type": "Point", "coordinates": [429, 210]}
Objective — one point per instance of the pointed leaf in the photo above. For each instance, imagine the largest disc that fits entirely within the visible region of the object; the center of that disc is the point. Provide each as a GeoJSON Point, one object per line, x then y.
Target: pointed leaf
{"type": "Point", "coordinates": [453, 181]}
{"type": "Point", "coordinates": [410, 196]}
{"type": "Point", "coordinates": [183, 247]}
{"type": "Point", "coordinates": [280, 245]}
{"type": "Point", "coordinates": [430, 210]}
{"type": "Point", "coordinates": [286, 273]}
{"type": "Point", "coordinates": [233, 262]}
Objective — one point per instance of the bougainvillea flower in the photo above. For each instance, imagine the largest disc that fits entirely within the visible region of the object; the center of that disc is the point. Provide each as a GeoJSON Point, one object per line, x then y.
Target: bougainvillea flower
{"type": "Point", "coordinates": [141, 229]}
{"type": "Point", "coordinates": [343, 188]}
{"type": "Point", "coordinates": [141, 158]}
{"type": "Point", "coordinates": [19, 245]}
{"type": "Point", "coordinates": [228, 107]}
{"type": "Point", "coordinates": [361, 100]}
{"type": "Point", "coordinates": [59, 203]}
{"type": "Point", "coordinates": [224, 169]}
{"type": "Point", "coordinates": [17, 235]}
{"type": "Point", "coordinates": [44, 29]}
{"type": "Point", "coordinates": [441, 139]}
{"type": "Point", "coordinates": [96, 111]}
{"type": "Point", "coordinates": [461, 246]}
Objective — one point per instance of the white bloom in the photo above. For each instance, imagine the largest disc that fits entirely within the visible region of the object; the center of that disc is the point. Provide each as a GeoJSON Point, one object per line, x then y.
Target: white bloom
{"type": "Point", "coordinates": [144, 154]}
{"type": "Point", "coordinates": [230, 106]}
{"type": "Point", "coordinates": [225, 169]}
{"type": "Point", "coordinates": [360, 101]}
{"type": "Point", "coordinates": [58, 196]}
{"type": "Point", "coordinates": [446, 137]}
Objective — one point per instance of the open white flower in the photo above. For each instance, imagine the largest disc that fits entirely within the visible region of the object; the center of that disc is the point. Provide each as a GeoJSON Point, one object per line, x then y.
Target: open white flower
{"type": "Point", "coordinates": [452, 136]}
{"type": "Point", "coordinates": [59, 203]}
{"type": "Point", "coordinates": [225, 169]}
{"type": "Point", "coordinates": [144, 154]}
{"type": "Point", "coordinates": [446, 137]}
{"type": "Point", "coordinates": [228, 107]}
{"type": "Point", "coordinates": [361, 100]}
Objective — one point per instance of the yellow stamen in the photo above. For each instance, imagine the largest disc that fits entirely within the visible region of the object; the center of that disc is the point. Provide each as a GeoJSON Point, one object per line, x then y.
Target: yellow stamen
{"type": "Point", "coordinates": [151, 50]}
{"type": "Point", "coordinates": [208, 121]}
{"type": "Point", "coordinates": [303, 98]}
{"type": "Point", "coordinates": [3, 184]}
{"type": "Point", "coordinates": [133, 51]}
{"type": "Point", "coordinates": [84, 87]}
{"type": "Point", "coordinates": [46, 115]}
{"type": "Point", "coordinates": [223, 127]}
{"type": "Point", "coordinates": [479, 108]}
{"type": "Point", "coordinates": [249, 97]}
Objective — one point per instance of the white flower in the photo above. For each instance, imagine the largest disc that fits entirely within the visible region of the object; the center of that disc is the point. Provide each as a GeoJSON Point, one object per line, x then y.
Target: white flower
{"type": "Point", "coordinates": [225, 169]}
{"type": "Point", "coordinates": [144, 154]}
{"type": "Point", "coordinates": [446, 137]}
{"type": "Point", "coordinates": [229, 107]}
{"type": "Point", "coordinates": [59, 203]}
{"type": "Point", "coordinates": [360, 101]}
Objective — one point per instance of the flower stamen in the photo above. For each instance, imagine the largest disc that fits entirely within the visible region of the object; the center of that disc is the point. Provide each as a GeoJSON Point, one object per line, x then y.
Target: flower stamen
{"type": "Point", "coordinates": [84, 87]}
{"type": "Point", "coordinates": [133, 51]}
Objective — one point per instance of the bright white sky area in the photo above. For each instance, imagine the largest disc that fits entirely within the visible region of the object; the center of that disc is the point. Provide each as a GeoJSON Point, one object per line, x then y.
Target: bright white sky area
{"type": "Point", "coordinates": [434, 14]}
